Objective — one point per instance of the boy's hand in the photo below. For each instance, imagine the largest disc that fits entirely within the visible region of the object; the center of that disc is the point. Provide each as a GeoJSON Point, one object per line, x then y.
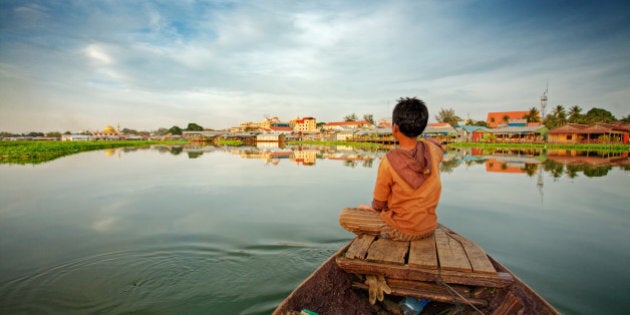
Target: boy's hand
{"type": "Point", "coordinates": [366, 207]}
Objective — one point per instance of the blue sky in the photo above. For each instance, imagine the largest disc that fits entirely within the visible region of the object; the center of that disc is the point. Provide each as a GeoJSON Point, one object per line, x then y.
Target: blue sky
{"type": "Point", "coordinates": [81, 65]}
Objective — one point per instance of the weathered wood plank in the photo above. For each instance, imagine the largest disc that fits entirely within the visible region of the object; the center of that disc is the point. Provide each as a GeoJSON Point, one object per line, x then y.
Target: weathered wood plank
{"type": "Point", "coordinates": [431, 292]}
{"type": "Point", "coordinates": [388, 251]}
{"type": "Point", "coordinates": [463, 290]}
{"type": "Point", "coordinates": [498, 280]}
{"type": "Point", "coordinates": [422, 253]}
{"type": "Point", "coordinates": [476, 256]}
{"type": "Point", "coordinates": [510, 305]}
{"type": "Point", "coordinates": [359, 247]}
{"type": "Point", "coordinates": [451, 254]}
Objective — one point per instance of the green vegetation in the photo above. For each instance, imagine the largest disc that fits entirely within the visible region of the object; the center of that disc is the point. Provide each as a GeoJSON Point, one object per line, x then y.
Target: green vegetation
{"type": "Point", "coordinates": [175, 130]}
{"type": "Point", "coordinates": [194, 127]}
{"type": "Point", "coordinates": [232, 143]}
{"type": "Point", "coordinates": [556, 118]}
{"type": "Point", "coordinates": [447, 116]}
{"type": "Point", "coordinates": [35, 152]}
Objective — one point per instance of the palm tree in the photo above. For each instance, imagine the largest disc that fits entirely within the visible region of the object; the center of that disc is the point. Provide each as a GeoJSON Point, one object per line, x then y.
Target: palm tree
{"type": "Point", "coordinates": [369, 118]}
{"type": "Point", "coordinates": [560, 114]}
{"type": "Point", "coordinates": [533, 115]}
{"type": "Point", "coordinates": [575, 113]}
{"type": "Point", "coordinates": [351, 117]}
{"type": "Point", "coordinates": [447, 116]}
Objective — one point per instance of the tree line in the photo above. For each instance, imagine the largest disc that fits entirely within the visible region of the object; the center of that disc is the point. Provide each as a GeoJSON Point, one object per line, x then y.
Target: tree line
{"type": "Point", "coordinates": [557, 117]}
{"type": "Point", "coordinates": [175, 130]}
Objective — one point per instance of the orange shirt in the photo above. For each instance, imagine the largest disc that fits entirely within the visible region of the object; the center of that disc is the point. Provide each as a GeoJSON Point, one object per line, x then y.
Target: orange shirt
{"type": "Point", "coordinates": [409, 210]}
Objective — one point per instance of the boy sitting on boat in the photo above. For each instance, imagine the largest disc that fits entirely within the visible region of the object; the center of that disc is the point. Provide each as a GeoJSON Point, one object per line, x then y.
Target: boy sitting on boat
{"type": "Point", "coordinates": [408, 187]}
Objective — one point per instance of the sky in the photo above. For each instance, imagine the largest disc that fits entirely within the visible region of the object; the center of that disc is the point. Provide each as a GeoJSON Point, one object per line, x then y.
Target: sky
{"type": "Point", "coordinates": [81, 65]}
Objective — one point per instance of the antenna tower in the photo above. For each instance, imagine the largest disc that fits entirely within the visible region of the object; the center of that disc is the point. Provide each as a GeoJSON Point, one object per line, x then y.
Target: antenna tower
{"type": "Point", "coordinates": [543, 101]}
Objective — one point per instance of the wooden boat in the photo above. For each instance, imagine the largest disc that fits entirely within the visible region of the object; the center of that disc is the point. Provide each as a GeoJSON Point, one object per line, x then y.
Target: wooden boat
{"type": "Point", "coordinates": [455, 274]}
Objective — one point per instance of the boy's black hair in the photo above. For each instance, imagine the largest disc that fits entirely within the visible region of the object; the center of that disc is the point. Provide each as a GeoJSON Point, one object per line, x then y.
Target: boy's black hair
{"type": "Point", "coordinates": [411, 116]}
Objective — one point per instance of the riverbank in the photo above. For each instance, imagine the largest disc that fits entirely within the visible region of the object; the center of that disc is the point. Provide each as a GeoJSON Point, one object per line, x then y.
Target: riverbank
{"type": "Point", "coordinates": [494, 145]}
{"type": "Point", "coordinates": [35, 152]}
{"type": "Point", "coordinates": [543, 146]}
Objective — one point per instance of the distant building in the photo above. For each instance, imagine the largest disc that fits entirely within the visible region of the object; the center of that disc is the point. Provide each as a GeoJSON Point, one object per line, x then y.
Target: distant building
{"type": "Point", "coordinates": [342, 136]}
{"type": "Point", "coordinates": [247, 126]}
{"type": "Point", "coordinates": [341, 125]}
{"type": "Point", "coordinates": [439, 130]}
{"type": "Point", "coordinates": [108, 133]}
{"type": "Point", "coordinates": [496, 119]}
{"type": "Point", "coordinates": [519, 134]}
{"type": "Point", "coordinates": [304, 125]}
{"type": "Point", "coordinates": [385, 123]}
{"type": "Point", "coordinates": [76, 138]}
{"type": "Point", "coordinates": [268, 123]}
{"type": "Point", "coordinates": [376, 135]}
{"type": "Point", "coordinates": [281, 129]}
{"type": "Point", "coordinates": [270, 137]}
{"type": "Point", "coordinates": [471, 133]}
{"type": "Point", "coordinates": [596, 133]}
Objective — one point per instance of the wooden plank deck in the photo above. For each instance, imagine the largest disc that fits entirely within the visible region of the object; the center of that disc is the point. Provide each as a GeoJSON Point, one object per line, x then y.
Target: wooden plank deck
{"type": "Point", "coordinates": [446, 257]}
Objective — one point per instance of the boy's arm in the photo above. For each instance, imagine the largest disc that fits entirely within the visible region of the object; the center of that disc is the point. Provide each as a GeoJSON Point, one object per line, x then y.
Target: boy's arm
{"type": "Point", "coordinates": [383, 186]}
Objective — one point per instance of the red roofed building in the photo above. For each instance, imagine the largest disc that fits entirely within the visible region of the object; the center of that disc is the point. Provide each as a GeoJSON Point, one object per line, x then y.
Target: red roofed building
{"type": "Point", "coordinates": [304, 125]}
{"type": "Point", "coordinates": [346, 125]}
{"type": "Point", "coordinates": [596, 133]}
{"type": "Point", "coordinates": [499, 118]}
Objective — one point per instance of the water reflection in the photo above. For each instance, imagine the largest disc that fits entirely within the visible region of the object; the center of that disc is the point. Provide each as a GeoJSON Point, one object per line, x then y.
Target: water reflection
{"type": "Point", "coordinates": [530, 162]}
{"type": "Point", "coordinates": [558, 163]}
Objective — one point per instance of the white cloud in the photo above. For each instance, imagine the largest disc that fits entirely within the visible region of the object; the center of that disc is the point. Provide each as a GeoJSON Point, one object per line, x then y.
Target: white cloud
{"type": "Point", "coordinates": [150, 65]}
{"type": "Point", "coordinates": [97, 53]}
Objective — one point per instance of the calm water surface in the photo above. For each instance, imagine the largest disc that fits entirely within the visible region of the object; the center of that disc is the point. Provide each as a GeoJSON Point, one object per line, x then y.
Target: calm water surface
{"type": "Point", "coordinates": [233, 231]}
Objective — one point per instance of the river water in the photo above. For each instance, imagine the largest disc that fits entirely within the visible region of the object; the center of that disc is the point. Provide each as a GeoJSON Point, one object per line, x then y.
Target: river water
{"type": "Point", "coordinates": [232, 231]}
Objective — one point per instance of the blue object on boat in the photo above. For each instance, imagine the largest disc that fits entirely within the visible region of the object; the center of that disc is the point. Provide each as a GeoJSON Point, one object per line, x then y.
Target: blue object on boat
{"type": "Point", "coordinates": [413, 306]}
{"type": "Point", "coordinates": [306, 311]}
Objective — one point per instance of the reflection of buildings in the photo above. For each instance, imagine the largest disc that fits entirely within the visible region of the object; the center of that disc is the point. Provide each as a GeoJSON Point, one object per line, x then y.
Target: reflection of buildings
{"type": "Point", "coordinates": [274, 157]}
{"type": "Point", "coordinates": [505, 160]}
{"type": "Point", "coordinates": [572, 157]}
{"type": "Point", "coordinates": [509, 164]}
{"type": "Point", "coordinates": [111, 152]}
{"type": "Point", "coordinates": [268, 145]}
{"type": "Point", "coordinates": [349, 157]}
{"type": "Point", "coordinates": [555, 162]}
{"type": "Point", "coordinates": [305, 157]}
